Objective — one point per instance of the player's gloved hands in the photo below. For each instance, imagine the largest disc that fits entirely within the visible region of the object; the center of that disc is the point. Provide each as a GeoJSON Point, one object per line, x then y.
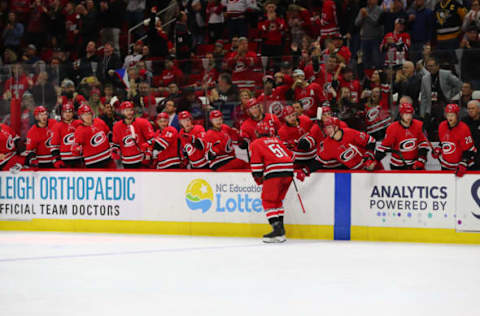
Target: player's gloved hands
{"type": "Point", "coordinates": [303, 144]}
{"type": "Point", "coordinates": [144, 147]}
{"type": "Point", "coordinates": [34, 165]}
{"type": "Point", "coordinates": [461, 169]}
{"type": "Point", "coordinates": [211, 155]}
{"type": "Point", "coordinates": [437, 151]}
{"type": "Point", "coordinates": [115, 153]}
{"type": "Point", "coordinates": [300, 175]}
{"type": "Point", "coordinates": [258, 180]}
{"type": "Point", "coordinates": [418, 165]}
{"type": "Point", "coordinates": [16, 168]}
{"type": "Point", "coordinates": [59, 164]}
{"type": "Point", "coordinates": [76, 150]}
{"type": "Point", "coordinates": [197, 143]}
{"type": "Point", "coordinates": [370, 165]}
{"type": "Point", "coordinates": [243, 143]}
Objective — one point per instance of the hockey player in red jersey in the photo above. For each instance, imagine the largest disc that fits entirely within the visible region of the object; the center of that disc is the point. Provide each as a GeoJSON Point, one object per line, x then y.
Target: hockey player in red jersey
{"type": "Point", "coordinates": [91, 140]}
{"type": "Point", "coordinates": [219, 142]}
{"type": "Point", "coordinates": [191, 139]}
{"type": "Point", "coordinates": [457, 150]}
{"type": "Point", "coordinates": [406, 141]}
{"type": "Point", "coordinates": [256, 115]}
{"type": "Point", "coordinates": [9, 150]}
{"type": "Point", "coordinates": [295, 135]}
{"type": "Point", "coordinates": [272, 165]}
{"type": "Point", "coordinates": [63, 139]}
{"type": "Point", "coordinates": [311, 96]}
{"type": "Point", "coordinates": [166, 144]}
{"type": "Point", "coordinates": [132, 138]}
{"type": "Point", "coordinates": [39, 140]}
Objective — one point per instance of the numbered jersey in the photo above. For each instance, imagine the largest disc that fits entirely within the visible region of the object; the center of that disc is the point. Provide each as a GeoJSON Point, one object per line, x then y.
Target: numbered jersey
{"type": "Point", "coordinates": [270, 158]}
{"type": "Point", "coordinates": [220, 144]}
{"type": "Point", "coordinates": [7, 143]}
{"type": "Point", "coordinates": [291, 135]}
{"type": "Point", "coordinates": [406, 140]}
{"type": "Point", "coordinates": [129, 138]}
{"type": "Point", "coordinates": [454, 142]}
{"type": "Point", "coordinates": [63, 139]}
{"type": "Point", "coordinates": [94, 142]}
{"type": "Point", "coordinates": [248, 127]}
{"type": "Point", "coordinates": [195, 156]}
{"type": "Point", "coordinates": [39, 141]}
{"type": "Point", "coordinates": [167, 140]}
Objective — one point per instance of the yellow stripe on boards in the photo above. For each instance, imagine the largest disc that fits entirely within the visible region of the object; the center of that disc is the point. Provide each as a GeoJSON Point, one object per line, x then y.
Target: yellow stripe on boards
{"type": "Point", "coordinates": [407, 234]}
{"type": "Point", "coordinates": [166, 228]}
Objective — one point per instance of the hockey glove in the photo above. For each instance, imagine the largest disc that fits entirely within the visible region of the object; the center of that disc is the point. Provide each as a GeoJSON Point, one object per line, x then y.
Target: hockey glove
{"type": "Point", "coordinates": [461, 169]}
{"type": "Point", "coordinates": [303, 144]}
{"type": "Point", "coordinates": [437, 151]}
{"type": "Point", "coordinates": [115, 153]}
{"type": "Point", "coordinates": [59, 164]}
{"type": "Point", "coordinates": [197, 143]}
{"type": "Point", "coordinates": [300, 175]}
{"type": "Point", "coordinates": [418, 165]}
{"type": "Point", "coordinates": [370, 165]}
{"type": "Point", "coordinates": [211, 155]}
{"type": "Point", "coordinates": [16, 168]}
{"type": "Point", "coordinates": [243, 143]}
{"type": "Point", "coordinates": [258, 180]}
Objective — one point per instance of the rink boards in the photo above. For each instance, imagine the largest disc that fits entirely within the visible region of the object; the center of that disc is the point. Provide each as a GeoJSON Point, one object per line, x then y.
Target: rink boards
{"type": "Point", "coordinates": [422, 207]}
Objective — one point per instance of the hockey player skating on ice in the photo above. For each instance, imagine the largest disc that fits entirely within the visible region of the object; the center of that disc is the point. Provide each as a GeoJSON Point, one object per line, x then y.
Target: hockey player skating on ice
{"type": "Point", "coordinates": [272, 165]}
{"type": "Point", "coordinates": [406, 141]}
{"type": "Point", "coordinates": [457, 151]}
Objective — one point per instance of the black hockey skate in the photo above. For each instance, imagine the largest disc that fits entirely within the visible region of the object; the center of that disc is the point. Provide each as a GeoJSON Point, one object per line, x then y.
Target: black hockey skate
{"type": "Point", "coordinates": [277, 235]}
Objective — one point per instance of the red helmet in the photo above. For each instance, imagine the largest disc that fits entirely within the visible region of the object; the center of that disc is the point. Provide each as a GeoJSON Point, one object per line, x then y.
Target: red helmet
{"type": "Point", "coordinates": [184, 115]}
{"type": "Point", "coordinates": [288, 110]}
{"type": "Point", "coordinates": [215, 114]}
{"type": "Point", "coordinates": [38, 110]}
{"type": "Point", "coordinates": [406, 108]}
{"type": "Point", "coordinates": [263, 129]}
{"type": "Point", "coordinates": [452, 108]}
{"type": "Point", "coordinates": [84, 108]}
{"type": "Point", "coordinates": [126, 105]}
{"type": "Point", "coordinates": [251, 103]}
{"type": "Point", "coordinates": [331, 121]}
{"type": "Point", "coordinates": [68, 107]}
{"type": "Point", "coordinates": [162, 115]}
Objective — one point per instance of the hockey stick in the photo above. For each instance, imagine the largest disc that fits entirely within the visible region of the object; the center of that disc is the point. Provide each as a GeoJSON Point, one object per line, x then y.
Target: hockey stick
{"type": "Point", "coordinates": [298, 195]}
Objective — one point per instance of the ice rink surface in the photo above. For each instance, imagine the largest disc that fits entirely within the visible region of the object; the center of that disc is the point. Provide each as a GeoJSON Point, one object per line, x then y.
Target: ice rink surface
{"type": "Point", "coordinates": [98, 274]}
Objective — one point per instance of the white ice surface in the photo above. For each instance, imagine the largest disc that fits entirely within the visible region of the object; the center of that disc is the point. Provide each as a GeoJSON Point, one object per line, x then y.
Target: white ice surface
{"type": "Point", "coordinates": [98, 274]}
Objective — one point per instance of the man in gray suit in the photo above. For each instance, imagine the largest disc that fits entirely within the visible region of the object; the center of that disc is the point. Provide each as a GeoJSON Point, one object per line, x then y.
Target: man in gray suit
{"type": "Point", "coordinates": [439, 86]}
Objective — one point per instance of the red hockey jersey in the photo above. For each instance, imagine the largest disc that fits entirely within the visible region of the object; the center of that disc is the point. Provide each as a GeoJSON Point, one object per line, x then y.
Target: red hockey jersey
{"type": "Point", "coordinates": [94, 142]}
{"type": "Point", "coordinates": [270, 158]}
{"type": "Point", "coordinates": [220, 144]}
{"type": "Point", "coordinates": [130, 138]}
{"type": "Point", "coordinates": [311, 97]}
{"type": "Point", "coordinates": [272, 31]}
{"type": "Point", "coordinates": [168, 141]}
{"type": "Point", "coordinates": [7, 143]}
{"type": "Point", "coordinates": [396, 55]}
{"type": "Point", "coordinates": [406, 140]}
{"type": "Point", "coordinates": [64, 137]}
{"type": "Point", "coordinates": [454, 142]}
{"type": "Point", "coordinates": [194, 155]}
{"type": "Point", "coordinates": [291, 135]}
{"type": "Point", "coordinates": [350, 149]}
{"type": "Point", "coordinates": [275, 102]}
{"type": "Point", "coordinates": [247, 130]}
{"type": "Point", "coordinates": [377, 118]}
{"type": "Point", "coordinates": [328, 21]}
{"type": "Point", "coordinates": [39, 141]}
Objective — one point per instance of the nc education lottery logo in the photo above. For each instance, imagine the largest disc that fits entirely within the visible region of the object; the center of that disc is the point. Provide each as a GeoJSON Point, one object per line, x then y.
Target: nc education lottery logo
{"type": "Point", "coordinates": [199, 195]}
{"type": "Point", "coordinates": [224, 197]}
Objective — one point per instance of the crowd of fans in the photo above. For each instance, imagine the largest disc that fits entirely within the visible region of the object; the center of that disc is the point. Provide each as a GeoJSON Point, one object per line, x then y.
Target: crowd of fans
{"type": "Point", "coordinates": [360, 59]}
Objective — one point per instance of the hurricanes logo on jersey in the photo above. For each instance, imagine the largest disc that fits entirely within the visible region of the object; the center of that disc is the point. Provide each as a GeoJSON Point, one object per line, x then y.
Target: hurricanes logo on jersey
{"type": "Point", "coordinates": [306, 102]}
{"type": "Point", "coordinates": [372, 114]}
{"type": "Point", "coordinates": [10, 144]}
{"type": "Point", "coordinates": [128, 141]}
{"type": "Point", "coordinates": [408, 144]}
{"type": "Point", "coordinates": [48, 142]}
{"type": "Point", "coordinates": [448, 148]}
{"type": "Point", "coordinates": [348, 154]}
{"type": "Point", "coordinates": [69, 139]}
{"type": "Point", "coordinates": [276, 108]}
{"type": "Point", "coordinates": [97, 139]}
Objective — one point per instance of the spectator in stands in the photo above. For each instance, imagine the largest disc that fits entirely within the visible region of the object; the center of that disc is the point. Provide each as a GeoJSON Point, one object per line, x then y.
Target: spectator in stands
{"type": "Point", "coordinates": [337, 47]}
{"type": "Point", "coordinates": [111, 15]}
{"type": "Point", "coordinates": [69, 94]}
{"type": "Point", "coordinates": [471, 55]}
{"type": "Point", "coordinates": [198, 21]}
{"type": "Point", "coordinates": [146, 101]}
{"type": "Point", "coordinates": [225, 95]}
{"type": "Point", "coordinates": [215, 20]}
{"type": "Point", "coordinates": [56, 22]}
{"type": "Point", "coordinates": [190, 102]}
{"type": "Point", "coordinates": [239, 112]}
{"type": "Point", "coordinates": [171, 110]}
{"type": "Point", "coordinates": [396, 11]}
{"type": "Point", "coordinates": [272, 31]}
{"type": "Point", "coordinates": [172, 92]}
{"type": "Point", "coordinates": [17, 84]}
{"type": "Point", "coordinates": [108, 64]}
{"type": "Point", "coordinates": [72, 28]}
{"type": "Point", "coordinates": [9, 57]}
{"type": "Point", "coordinates": [407, 82]}
{"type": "Point", "coordinates": [449, 16]}
{"type": "Point", "coordinates": [371, 32]}
{"type": "Point", "coordinates": [13, 32]}
{"type": "Point", "coordinates": [473, 122]}
{"type": "Point", "coordinates": [472, 17]}
{"type": "Point", "coordinates": [135, 10]}
{"type": "Point", "coordinates": [44, 91]}
{"type": "Point", "coordinates": [242, 64]}
{"type": "Point", "coordinates": [183, 42]}
{"type": "Point", "coordinates": [170, 74]}
{"type": "Point", "coordinates": [36, 30]}
{"type": "Point", "coordinates": [87, 65]}
{"type": "Point", "coordinates": [219, 55]}
{"type": "Point", "coordinates": [420, 24]}
{"type": "Point", "coordinates": [30, 56]}
{"type": "Point", "coordinates": [109, 115]}
{"type": "Point", "coordinates": [464, 98]}
{"type": "Point", "coordinates": [135, 56]}
{"type": "Point", "coordinates": [157, 38]}
{"type": "Point", "coordinates": [439, 86]}
{"type": "Point", "coordinates": [88, 22]}
{"type": "Point", "coordinates": [235, 14]}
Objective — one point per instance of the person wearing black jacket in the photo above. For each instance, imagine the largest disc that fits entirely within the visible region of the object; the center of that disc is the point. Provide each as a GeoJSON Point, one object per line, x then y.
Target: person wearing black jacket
{"type": "Point", "coordinates": [157, 38]}
{"type": "Point", "coordinates": [473, 122]}
{"type": "Point", "coordinates": [407, 82]}
{"type": "Point", "coordinates": [108, 64]}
